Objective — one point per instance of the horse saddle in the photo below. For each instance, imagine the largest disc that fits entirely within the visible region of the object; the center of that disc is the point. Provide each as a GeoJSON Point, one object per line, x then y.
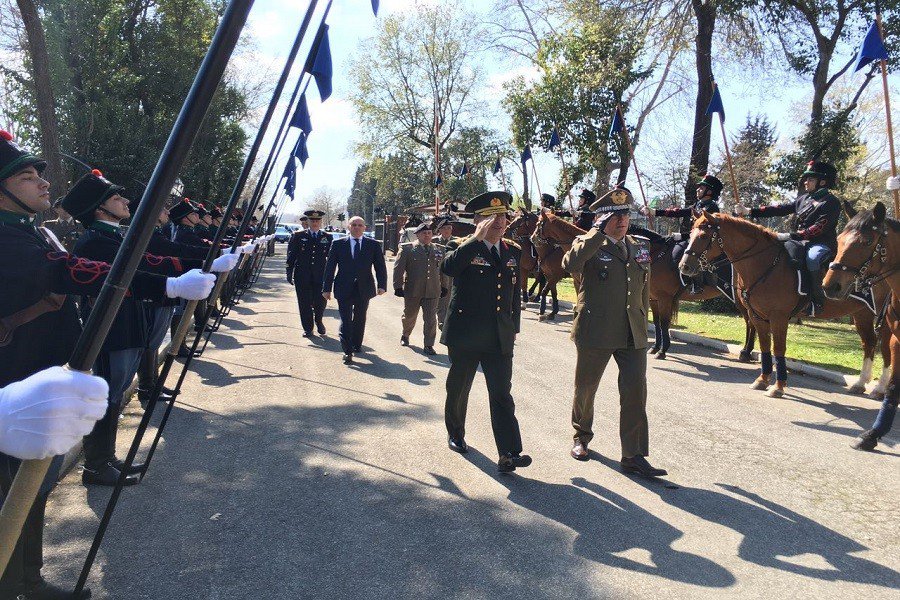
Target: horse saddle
{"type": "Point", "coordinates": [721, 277]}
{"type": "Point", "coordinates": [796, 252]}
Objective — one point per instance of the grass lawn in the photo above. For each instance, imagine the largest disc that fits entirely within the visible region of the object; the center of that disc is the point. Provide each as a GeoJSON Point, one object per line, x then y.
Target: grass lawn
{"type": "Point", "coordinates": [826, 344]}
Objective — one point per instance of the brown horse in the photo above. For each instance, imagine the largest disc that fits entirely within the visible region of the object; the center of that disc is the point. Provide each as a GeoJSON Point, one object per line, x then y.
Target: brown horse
{"type": "Point", "coordinates": [767, 284]}
{"type": "Point", "coordinates": [552, 238]}
{"type": "Point", "coordinates": [519, 231]}
{"type": "Point", "coordinates": [869, 252]}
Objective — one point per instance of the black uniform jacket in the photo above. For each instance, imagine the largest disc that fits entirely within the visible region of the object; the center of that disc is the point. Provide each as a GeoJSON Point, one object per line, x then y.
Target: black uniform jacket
{"type": "Point", "coordinates": [817, 216]}
{"type": "Point", "coordinates": [485, 310]}
{"type": "Point", "coordinates": [306, 258]}
{"type": "Point", "coordinates": [29, 270]}
{"type": "Point", "coordinates": [688, 213]}
{"type": "Point", "coordinates": [185, 234]}
{"type": "Point", "coordinates": [130, 328]}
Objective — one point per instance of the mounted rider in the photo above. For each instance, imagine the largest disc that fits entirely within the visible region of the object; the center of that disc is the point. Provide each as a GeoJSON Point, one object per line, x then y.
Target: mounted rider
{"type": "Point", "coordinates": [584, 216]}
{"type": "Point", "coordinates": [815, 228]}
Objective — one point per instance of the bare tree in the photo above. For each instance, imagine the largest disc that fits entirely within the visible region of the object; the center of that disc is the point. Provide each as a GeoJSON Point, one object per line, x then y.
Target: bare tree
{"type": "Point", "coordinates": [328, 201]}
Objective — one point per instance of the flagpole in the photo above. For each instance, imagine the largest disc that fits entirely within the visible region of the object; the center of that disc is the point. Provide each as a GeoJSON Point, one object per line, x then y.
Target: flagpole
{"type": "Point", "coordinates": [734, 186]}
{"type": "Point", "coordinates": [887, 110]}
{"type": "Point", "coordinates": [537, 183]}
{"type": "Point", "coordinates": [637, 173]}
{"type": "Point", "coordinates": [437, 158]}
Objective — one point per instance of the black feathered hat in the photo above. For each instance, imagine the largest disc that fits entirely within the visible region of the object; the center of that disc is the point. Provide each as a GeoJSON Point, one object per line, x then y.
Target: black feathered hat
{"type": "Point", "coordinates": [14, 159]}
{"type": "Point", "coordinates": [88, 194]}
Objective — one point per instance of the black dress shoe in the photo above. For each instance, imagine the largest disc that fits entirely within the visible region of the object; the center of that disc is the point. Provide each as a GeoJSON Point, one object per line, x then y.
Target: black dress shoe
{"type": "Point", "coordinates": [429, 350]}
{"type": "Point", "coordinates": [42, 590]}
{"type": "Point", "coordinates": [185, 352]}
{"type": "Point", "coordinates": [320, 328]}
{"type": "Point", "coordinates": [348, 358]}
{"type": "Point", "coordinates": [509, 462]}
{"type": "Point", "coordinates": [867, 441]}
{"type": "Point", "coordinates": [136, 468]}
{"type": "Point", "coordinates": [638, 464]}
{"type": "Point", "coordinates": [307, 334]}
{"type": "Point", "coordinates": [457, 445]}
{"type": "Point", "coordinates": [404, 341]}
{"type": "Point", "coordinates": [357, 349]}
{"type": "Point", "coordinates": [106, 475]}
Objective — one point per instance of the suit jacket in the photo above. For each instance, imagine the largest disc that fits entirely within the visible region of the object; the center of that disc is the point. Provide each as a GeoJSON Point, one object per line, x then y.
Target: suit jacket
{"type": "Point", "coordinates": [352, 272]}
{"type": "Point", "coordinates": [485, 307]}
{"type": "Point", "coordinates": [306, 258]}
{"type": "Point", "coordinates": [614, 297]}
{"type": "Point", "coordinates": [417, 270]}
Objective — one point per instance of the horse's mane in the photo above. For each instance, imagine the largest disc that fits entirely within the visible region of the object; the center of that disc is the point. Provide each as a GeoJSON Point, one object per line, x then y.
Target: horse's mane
{"type": "Point", "coordinates": [566, 226]}
{"type": "Point", "coordinates": [865, 220]}
{"type": "Point", "coordinates": [753, 227]}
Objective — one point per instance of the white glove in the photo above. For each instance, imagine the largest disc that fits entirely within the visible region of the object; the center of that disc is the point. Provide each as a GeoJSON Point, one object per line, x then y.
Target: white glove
{"type": "Point", "coordinates": [644, 211]}
{"type": "Point", "coordinates": [783, 237]}
{"type": "Point", "coordinates": [193, 285]}
{"type": "Point", "coordinates": [49, 412]}
{"type": "Point", "coordinates": [229, 251]}
{"type": "Point", "coordinates": [893, 183]}
{"type": "Point", "coordinates": [224, 263]}
{"type": "Point", "coordinates": [676, 236]}
{"type": "Point", "coordinates": [248, 248]}
{"type": "Point", "coordinates": [740, 209]}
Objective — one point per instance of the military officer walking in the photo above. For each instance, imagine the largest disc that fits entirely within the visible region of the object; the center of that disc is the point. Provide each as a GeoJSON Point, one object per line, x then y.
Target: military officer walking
{"type": "Point", "coordinates": [481, 327]}
{"type": "Point", "coordinates": [307, 254]}
{"type": "Point", "coordinates": [417, 279]}
{"type": "Point", "coordinates": [443, 227]}
{"type": "Point", "coordinates": [611, 322]}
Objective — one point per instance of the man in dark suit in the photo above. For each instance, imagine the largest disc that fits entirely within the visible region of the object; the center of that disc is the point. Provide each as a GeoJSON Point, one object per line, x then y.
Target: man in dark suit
{"type": "Point", "coordinates": [482, 323]}
{"type": "Point", "coordinates": [306, 256]}
{"type": "Point", "coordinates": [353, 258]}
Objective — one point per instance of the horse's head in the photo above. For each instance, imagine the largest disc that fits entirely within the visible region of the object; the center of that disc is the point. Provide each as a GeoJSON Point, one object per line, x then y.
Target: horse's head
{"type": "Point", "coordinates": [861, 253]}
{"type": "Point", "coordinates": [523, 225]}
{"type": "Point", "coordinates": [704, 246]}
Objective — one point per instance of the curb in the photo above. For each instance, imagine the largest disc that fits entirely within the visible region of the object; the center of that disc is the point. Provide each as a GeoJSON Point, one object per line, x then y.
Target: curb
{"type": "Point", "coordinates": [794, 366]}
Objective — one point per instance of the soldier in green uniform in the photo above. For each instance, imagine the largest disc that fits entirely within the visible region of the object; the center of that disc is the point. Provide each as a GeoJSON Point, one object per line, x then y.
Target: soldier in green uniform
{"type": "Point", "coordinates": [417, 279]}
{"type": "Point", "coordinates": [66, 229]}
{"type": "Point", "coordinates": [443, 228]}
{"type": "Point", "coordinates": [481, 326]}
{"type": "Point", "coordinates": [611, 322]}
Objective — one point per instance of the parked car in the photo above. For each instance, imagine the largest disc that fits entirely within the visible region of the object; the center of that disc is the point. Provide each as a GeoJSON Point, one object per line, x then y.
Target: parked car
{"type": "Point", "coordinates": [282, 233]}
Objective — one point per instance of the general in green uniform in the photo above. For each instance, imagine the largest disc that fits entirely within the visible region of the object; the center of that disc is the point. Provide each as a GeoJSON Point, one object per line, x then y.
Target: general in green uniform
{"type": "Point", "coordinates": [417, 279]}
{"type": "Point", "coordinates": [443, 227]}
{"type": "Point", "coordinates": [481, 326]}
{"type": "Point", "coordinates": [611, 322]}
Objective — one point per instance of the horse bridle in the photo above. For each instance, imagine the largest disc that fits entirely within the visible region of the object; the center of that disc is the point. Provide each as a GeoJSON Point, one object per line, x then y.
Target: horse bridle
{"type": "Point", "coordinates": [520, 237]}
{"type": "Point", "coordinates": [538, 235]}
{"type": "Point", "coordinates": [705, 264]}
{"type": "Point", "coordinates": [878, 251]}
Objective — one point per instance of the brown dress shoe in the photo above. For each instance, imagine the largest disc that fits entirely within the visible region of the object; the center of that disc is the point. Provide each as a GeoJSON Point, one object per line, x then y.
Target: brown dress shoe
{"type": "Point", "coordinates": [579, 450]}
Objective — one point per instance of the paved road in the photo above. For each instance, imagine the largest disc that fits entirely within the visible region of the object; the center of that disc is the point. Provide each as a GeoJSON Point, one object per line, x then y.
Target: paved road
{"type": "Point", "coordinates": [285, 474]}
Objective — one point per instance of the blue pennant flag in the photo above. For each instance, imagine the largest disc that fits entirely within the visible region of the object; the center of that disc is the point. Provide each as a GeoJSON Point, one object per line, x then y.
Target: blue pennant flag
{"type": "Point", "coordinates": [872, 48]}
{"type": "Point", "coordinates": [526, 155]}
{"type": "Point", "coordinates": [437, 180]}
{"type": "Point", "coordinates": [375, 7]}
{"type": "Point", "coordinates": [617, 124]}
{"type": "Point", "coordinates": [715, 104]}
{"type": "Point", "coordinates": [497, 166]}
{"type": "Point", "coordinates": [318, 63]}
{"type": "Point", "coordinates": [301, 118]}
{"type": "Point", "coordinates": [290, 172]}
{"type": "Point", "coordinates": [554, 140]}
{"type": "Point", "coordinates": [464, 170]}
{"type": "Point", "coordinates": [300, 149]}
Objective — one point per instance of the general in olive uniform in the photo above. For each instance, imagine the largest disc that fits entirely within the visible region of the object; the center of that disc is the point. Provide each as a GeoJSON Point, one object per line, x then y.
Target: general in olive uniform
{"type": "Point", "coordinates": [307, 254]}
{"type": "Point", "coordinates": [481, 326]}
{"type": "Point", "coordinates": [611, 322]}
{"type": "Point", "coordinates": [417, 279]}
{"type": "Point", "coordinates": [443, 229]}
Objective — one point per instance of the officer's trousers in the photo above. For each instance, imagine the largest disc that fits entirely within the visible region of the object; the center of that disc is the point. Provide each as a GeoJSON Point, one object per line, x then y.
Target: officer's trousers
{"type": "Point", "coordinates": [311, 304]}
{"type": "Point", "coordinates": [411, 307]}
{"type": "Point", "coordinates": [353, 321]}
{"type": "Point", "coordinates": [589, 367]}
{"type": "Point", "coordinates": [497, 370]}
{"type": "Point", "coordinates": [443, 305]}
{"type": "Point", "coordinates": [159, 318]}
{"type": "Point", "coordinates": [118, 369]}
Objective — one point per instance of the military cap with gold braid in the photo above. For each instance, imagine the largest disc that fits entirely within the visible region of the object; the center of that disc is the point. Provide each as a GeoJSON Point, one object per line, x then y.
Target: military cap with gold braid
{"type": "Point", "coordinates": [618, 199]}
{"type": "Point", "coordinates": [314, 214]}
{"type": "Point", "coordinates": [489, 204]}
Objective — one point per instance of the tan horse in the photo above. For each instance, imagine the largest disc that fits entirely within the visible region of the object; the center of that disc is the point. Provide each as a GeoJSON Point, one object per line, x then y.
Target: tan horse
{"type": "Point", "coordinates": [552, 238]}
{"type": "Point", "coordinates": [519, 231]}
{"type": "Point", "coordinates": [869, 252]}
{"type": "Point", "coordinates": [767, 284]}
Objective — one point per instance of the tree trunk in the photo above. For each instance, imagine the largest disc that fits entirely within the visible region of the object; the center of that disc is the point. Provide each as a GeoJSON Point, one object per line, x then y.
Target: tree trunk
{"type": "Point", "coordinates": [706, 23]}
{"type": "Point", "coordinates": [526, 197]}
{"type": "Point", "coordinates": [43, 92]}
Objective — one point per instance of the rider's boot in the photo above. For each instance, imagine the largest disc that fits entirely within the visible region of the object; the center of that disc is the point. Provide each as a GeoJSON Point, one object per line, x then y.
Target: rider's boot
{"type": "Point", "coordinates": [816, 293]}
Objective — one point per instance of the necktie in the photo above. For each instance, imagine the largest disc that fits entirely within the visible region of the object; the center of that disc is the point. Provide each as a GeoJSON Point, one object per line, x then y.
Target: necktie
{"type": "Point", "coordinates": [622, 248]}
{"type": "Point", "coordinates": [495, 254]}
{"type": "Point", "coordinates": [355, 248]}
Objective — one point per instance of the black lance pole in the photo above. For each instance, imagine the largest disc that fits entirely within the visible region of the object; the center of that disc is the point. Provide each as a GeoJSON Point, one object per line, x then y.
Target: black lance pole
{"type": "Point", "coordinates": [167, 167]}
{"type": "Point", "coordinates": [184, 323]}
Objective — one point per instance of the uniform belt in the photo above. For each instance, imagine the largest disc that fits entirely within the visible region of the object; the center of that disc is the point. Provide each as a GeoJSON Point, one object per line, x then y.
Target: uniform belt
{"type": "Point", "coordinates": [8, 325]}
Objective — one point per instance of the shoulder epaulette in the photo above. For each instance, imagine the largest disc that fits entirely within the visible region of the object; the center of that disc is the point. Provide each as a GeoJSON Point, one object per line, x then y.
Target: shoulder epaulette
{"type": "Point", "coordinates": [512, 243]}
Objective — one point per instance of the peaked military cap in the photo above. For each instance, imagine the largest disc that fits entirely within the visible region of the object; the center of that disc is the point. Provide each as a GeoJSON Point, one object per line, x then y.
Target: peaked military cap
{"type": "Point", "coordinates": [181, 209]}
{"type": "Point", "coordinates": [304, 219]}
{"type": "Point", "coordinates": [619, 199]}
{"type": "Point", "coordinates": [14, 159]}
{"type": "Point", "coordinates": [713, 183]}
{"type": "Point", "coordinates": [441, 221]}
{"type": "Point", "coordinates": [314, 214]}
{"type": "Point", "coordinates": [87, 194]}
{"type": "Point", "coordinates": [422, 227]}
{"type": "Point", "coordinates": [822, 170]}
{"type": "Point", "coordinates": [489, 203]}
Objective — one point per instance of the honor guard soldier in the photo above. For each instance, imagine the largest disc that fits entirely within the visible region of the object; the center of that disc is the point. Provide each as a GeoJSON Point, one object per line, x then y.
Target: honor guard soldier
{"type": "Point", "coordinates": [549, 202]}
{"type": "Point", "coordinates": [584, 216]}
{"type": "Point", "coordinates": [39, 327]}
{"type": "Point", "coordinates": [307, 254]}
{"type": "Point", "coordinates": [443, 228]}
{"type": "Point", "coordinates": [611, 322]}
{"type": "Point", "coordinates": [99, 205]}
{"type": "Point", "coordinates": [66, 229]}
{"type": "Point", "coordinates": [417, 279]}
{"type": "Point", "coordinates": [815, 227]}
{"type": "Point", "coordinates": [481, 326]}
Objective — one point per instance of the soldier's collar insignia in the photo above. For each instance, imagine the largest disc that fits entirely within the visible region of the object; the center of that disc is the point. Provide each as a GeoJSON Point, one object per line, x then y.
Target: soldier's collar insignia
{"type": "Point", "coordinates": [14, 218]}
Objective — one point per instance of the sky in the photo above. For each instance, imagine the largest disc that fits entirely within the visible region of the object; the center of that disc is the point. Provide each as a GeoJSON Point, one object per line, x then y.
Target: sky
{"type": "Point", "coordinates": [273, 25]}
